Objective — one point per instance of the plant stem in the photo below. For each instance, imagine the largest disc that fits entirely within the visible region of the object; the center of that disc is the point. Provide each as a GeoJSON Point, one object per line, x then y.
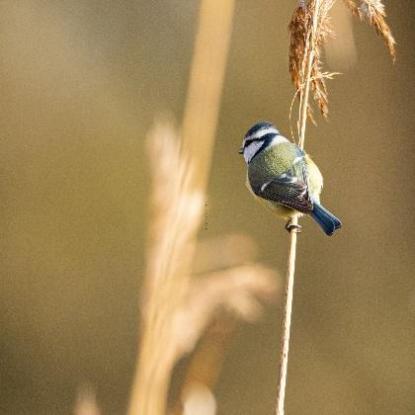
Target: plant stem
{"type": "Point", "coordinates": [285, 341]}
{"type": "Point", "coordinates": [303, 121]}
{"type": "Point", "coordinates": [289, 292]}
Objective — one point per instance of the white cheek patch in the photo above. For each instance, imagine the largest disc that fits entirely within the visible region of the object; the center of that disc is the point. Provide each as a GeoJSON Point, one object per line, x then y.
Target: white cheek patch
{"type": "Point", "coordinates": [252, 149]}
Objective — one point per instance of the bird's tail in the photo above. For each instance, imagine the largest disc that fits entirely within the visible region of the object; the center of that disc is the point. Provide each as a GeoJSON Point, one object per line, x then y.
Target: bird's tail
{"type": "Point", "coordinates": [327, 221]}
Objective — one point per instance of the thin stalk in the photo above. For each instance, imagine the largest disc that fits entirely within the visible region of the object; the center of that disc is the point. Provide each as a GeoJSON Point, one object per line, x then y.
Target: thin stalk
{"type": "Point", "coordinates": [304, 109]}
{"type": "Point", "coordinates": [289, 292]}
{"type": "Point", "coordinates": [286, 329]}
{"type": "Point", "coordinates": [309, 56]}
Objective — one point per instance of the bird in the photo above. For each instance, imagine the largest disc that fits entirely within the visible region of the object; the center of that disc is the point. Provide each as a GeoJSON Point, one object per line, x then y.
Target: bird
{"type": "Point", "coordinates": [283, 176]}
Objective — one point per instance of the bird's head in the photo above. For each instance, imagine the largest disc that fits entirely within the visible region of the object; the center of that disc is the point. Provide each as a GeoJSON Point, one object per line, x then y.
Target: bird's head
{"type": "Point", "coordinates": [259, 137]}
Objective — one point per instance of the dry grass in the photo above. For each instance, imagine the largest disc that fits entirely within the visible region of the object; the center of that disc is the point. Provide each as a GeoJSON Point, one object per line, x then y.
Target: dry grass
{"type": "Point", "coordinates": [373, 12]}
{"type": "Point", "coordinates": [205, 365]}
{"type": "Point", "coordinates": [177, 308]}
{"type": "Point", "coordinates": [216, 302]}
{"type": "Point", "coordinates": [175, 221]}
{"type": "Point", "coordinates": [309, 29]}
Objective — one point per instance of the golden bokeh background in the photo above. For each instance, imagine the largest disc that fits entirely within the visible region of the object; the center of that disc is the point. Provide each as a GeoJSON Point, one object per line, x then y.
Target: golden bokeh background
{"type": "Point", "coordinates": [82, 82]}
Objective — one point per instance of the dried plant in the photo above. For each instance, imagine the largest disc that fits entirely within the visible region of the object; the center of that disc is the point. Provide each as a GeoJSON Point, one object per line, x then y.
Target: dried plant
{"type": "Point", "coordinates": [236, 290]}
{"type": "Point", "coordinates": [206, 363]}
{"type": "Point", "coordinates": [176, 309]}
{"type": "Point", "coordinates": [221, 298]}
{"type": "Point", "coordinates": [239, 298]}
{"type": "Point", "coordinates": [176, 216]}
{"type": "Point", "coordinates": [309, 29]}
{"type": "Point", "coordinates": [298, 30]}
{"type": "Point", "coordinates": [373, 11]}
{"type": "Point", "coordinates": [179, 189]}
{"type": "Point", "coordinates": [305, 50]}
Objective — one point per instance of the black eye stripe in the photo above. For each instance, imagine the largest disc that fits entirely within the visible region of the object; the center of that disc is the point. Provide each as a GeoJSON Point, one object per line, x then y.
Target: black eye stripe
{"type": "Point", "coordinates": [265, 137]}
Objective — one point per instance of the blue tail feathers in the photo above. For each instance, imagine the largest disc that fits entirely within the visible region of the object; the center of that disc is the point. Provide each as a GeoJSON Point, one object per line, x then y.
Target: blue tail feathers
{"type": "Point", "coordinates": [327, 221]}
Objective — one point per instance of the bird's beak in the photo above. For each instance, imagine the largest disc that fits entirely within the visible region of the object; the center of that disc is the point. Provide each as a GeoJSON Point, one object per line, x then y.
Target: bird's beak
{"type": "Point", "coordinates": [241, 150]}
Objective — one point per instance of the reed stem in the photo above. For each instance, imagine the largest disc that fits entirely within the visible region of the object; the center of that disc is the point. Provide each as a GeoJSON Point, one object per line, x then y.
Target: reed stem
{"type": "Point", "coordinates": [289, 292]}
{"type": "Point", "coordinates": [286, 329]}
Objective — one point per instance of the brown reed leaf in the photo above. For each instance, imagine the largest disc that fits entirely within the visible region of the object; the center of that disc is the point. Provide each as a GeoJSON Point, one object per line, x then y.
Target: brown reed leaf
{"type": "Point", "coordinates": [373, 11]}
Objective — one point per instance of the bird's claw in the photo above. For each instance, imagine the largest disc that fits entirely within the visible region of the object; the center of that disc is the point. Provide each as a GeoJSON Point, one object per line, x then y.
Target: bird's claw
{"type": "Point", "coordinates": [293, 227]}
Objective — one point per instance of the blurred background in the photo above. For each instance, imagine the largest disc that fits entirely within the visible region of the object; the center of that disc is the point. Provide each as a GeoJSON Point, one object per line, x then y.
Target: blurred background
{"type": "Point", "coordinates": [81, 84]}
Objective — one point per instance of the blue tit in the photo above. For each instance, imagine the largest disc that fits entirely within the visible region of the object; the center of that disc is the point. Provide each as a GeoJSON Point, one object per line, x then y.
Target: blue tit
{"type": "Point", "coordinates": [284, 177]}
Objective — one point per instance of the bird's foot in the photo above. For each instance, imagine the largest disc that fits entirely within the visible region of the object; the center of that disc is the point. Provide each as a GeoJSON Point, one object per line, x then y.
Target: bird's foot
{"type": "Point", "coordinates": [293, 227]}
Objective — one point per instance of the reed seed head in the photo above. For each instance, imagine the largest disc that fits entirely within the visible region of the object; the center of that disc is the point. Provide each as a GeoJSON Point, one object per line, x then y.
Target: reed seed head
{"type": "Point", "coordinates": [310, 28]}
{"type": "Point", "coordinates": [373, 12]}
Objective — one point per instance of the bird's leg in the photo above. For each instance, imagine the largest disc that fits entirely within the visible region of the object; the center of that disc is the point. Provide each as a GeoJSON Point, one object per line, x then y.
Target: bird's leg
{"type": "Point", "coordinates": [293, 227]}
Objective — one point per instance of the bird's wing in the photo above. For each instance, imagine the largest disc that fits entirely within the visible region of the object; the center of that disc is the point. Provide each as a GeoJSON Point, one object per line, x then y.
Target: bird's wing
{"type": "Point", "coordinates": [288, 190]}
